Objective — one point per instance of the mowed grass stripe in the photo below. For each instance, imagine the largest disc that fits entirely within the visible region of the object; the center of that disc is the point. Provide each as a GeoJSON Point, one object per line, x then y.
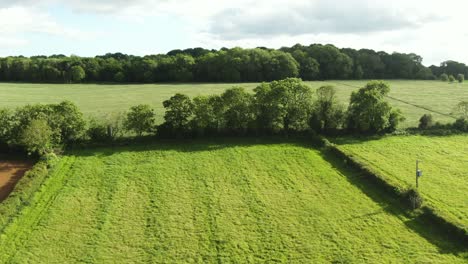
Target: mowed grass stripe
{"type": "Point", "coordinates": [219, 202]}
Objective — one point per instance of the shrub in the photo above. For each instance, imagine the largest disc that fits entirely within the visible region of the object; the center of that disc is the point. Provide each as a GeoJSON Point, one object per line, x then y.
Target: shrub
{"type": "Point", "coordinates": [327, 114]}
{"type": "Point", "coordinates": [50, 159]}
{"type": "Point", "coordinates": [413, 199]}
{"type": "Point", "coordinates": [451, 79]}
{"type": "Point", "coordinates": [461, 124]}
{"type": "Point", "coordinates": [425, 121]}
{"type": "Point", "coordinates": [461, 78]}
{"type": "Point", "coordinates": [368, 112]}
{"type": "Point", "coordinates": [179, 109]}
{"type": "Point", "coordinates": [444, 77]}
{"type": "Point", "coordinates": [140, 119]}
{"type": "Point", "coordinates": [37, 137]}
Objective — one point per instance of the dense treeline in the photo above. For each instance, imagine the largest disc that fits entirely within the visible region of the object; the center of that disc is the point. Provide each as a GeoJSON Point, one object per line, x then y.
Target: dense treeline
{"type": "Point", "coordinates": [314, 62]}
{"type": "Point", "coordinates": [278, 107]}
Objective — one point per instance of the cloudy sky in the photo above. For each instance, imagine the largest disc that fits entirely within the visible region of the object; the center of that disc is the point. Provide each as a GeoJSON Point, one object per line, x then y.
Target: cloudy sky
{"type": "Point", "coordinates": [437, 30]}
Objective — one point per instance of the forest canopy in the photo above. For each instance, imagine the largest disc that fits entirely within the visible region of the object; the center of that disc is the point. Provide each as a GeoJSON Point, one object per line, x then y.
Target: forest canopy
{"type": "Point", "coordinates": [313, 62]}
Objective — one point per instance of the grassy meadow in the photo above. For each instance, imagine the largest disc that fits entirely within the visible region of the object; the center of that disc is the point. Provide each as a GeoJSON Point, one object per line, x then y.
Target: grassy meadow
{"type": "Point", "coordinates": [444, 162]}
{"type": "Point", "coordinates": [99, 99]}
{"type": "Point", "coordinates": [235, 201]}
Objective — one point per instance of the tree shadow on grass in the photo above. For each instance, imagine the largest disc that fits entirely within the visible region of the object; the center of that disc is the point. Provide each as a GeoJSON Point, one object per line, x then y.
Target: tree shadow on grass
{"type": "Point", "coordinates": [387, 202]}
{"type": "Point", "coordinates": [185, 145]}
{"type": "Point", "coordinates": [417, 222]}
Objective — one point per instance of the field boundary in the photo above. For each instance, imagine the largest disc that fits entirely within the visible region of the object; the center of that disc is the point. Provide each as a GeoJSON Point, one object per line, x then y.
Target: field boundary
{"type": "Point", "coordinates": [402, 101]}
{"type": "Point", "coordinates": [456, 231]}
{"type": "Point", "coordinates": [22, 194]}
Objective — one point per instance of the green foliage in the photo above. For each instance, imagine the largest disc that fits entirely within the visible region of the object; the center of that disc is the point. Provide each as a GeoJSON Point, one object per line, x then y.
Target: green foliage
{"type": "Point", "coordinates": [205, 119]}
{"type": "Point", "coordinates": [460, 78]}
{"type": "Point", "coordinates": [140, 119]}
{"type": "Point", "coordinates": [50, 159]}
{"type": "Point", "coordinates": [225, 201]}
{"type": "Point", "coordinates": [311, 62]}
{"type": "Point", "coordinates": [37, 137]}
{"type": "Point", "coordinates": [461, 110]}
{"type": "Point", "coordinates": [444, 77]}
{"type": "Point", "coordinates": [179, 109]}
{"type": "Point", "coordinates": [68, 120]}
{"type": "Point", "coordinates": [327, 114]}
{"type": "Point", "coordinates": [413, 198]}
{"type": "Point", "coordinates": [426, 121]}
{"type": "Point", "coordinates": [237, 109]}
{"type": "Point", "coordinates": [368, 112]}
{"type": "Point", "coordinates": [6, 125]}
{"type": "Point", "coordinates": [451, 79]}
{"type": "Point", "coordinates": [284, 104]}
{"type": "Point", "coordinates": [77, 74]}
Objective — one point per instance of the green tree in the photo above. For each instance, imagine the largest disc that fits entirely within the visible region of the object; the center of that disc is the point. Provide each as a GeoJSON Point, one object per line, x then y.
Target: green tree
{"type": "Point", "coordinates": [461, 78]}
{"type": "Point", "coordinates": [6, 125]}
{"type": "Point", "coordinates": [36, 137]}
{"type": "Point", "coordinates": [140, 119]}
{"type": "Point", "coordinates": [444, 77]}
{"type": "Point", "coordinates": [237, 109]}
{"type": "Point", "coordinates": [327, 114]}
{"type": "Point", "coordinates": [204, 118]}
{"type": "Point", "coordinates": [426, 121]}
{"type": "Point", "coordinates": [77, 74]}
{"type": "Point", "coordinates": [179, 109]}
{"type": "Point", "coordinates": [368, 112]}
{"type": "Point", "coordinates": [285, 104]}
{"type": "Point", "coordinates": [68, 120]}
{"type": "Point", "coordinates": [451, 78]}
{"type": "Point", "coordinates": [461, 110]}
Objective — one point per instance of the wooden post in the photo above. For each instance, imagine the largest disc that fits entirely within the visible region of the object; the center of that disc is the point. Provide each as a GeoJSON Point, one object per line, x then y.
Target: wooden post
{"type": "Point", "coordinates": [417, 176]}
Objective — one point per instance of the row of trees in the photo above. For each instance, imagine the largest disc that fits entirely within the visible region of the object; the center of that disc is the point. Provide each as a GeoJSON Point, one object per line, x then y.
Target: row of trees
{"type": "Point", "coordinates": [284, 106]}
{"type": "Point", "coordinates": [278, 107]}
{"type": "Point", "coordinates": [450, 78]}
{"type": "Point", "coordinates": [313, 62]}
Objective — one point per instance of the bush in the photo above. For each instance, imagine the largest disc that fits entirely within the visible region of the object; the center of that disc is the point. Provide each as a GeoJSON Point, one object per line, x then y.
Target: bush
{"type": "Point", "coordinates": [179, 109]}
{"type": "Point", "coordinates": [140, 119]}
{"type": "Point", "coordinates": [36, 138]}
{"type": "Point", "coordinates": [327, 114]}
{"type": "Point", "coordinates": [451, 79]}
{"type": "Point", "coordinates": [461, 124]}
{"type": "Point", "coordinates": [461, 78]}
{"type": "Point", "coordinates": [50, 159]}
{"type": "Point", "coordinates": [413, 199]}
{"type": "Point", "coordinates": [368, 112]}
{"type": "Point", "coordinates": [444, 77]}
{"type": "Point", "coordinates": [426, 121]}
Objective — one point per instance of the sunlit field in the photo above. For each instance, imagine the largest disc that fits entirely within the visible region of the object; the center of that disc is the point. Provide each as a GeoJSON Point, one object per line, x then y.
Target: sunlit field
{"type": "Point", "coordinates": [99, 99]}
{"type": "Point", "coordinates": [443, 160]}
{"type": "Point", "coordinates": [211, 202]}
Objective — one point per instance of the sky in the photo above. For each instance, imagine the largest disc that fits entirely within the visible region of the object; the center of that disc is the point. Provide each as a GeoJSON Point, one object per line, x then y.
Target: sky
{"type": "Point", "coordinates": [436, 30]}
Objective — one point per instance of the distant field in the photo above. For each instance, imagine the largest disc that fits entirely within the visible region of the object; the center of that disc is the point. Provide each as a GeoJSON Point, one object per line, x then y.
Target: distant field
{"type": "Point", "coordinates": [99, 99]}
{"type": "Point", "coordinates": [207, 202]}
{"type": "Point", "coordinates": [444, 161]}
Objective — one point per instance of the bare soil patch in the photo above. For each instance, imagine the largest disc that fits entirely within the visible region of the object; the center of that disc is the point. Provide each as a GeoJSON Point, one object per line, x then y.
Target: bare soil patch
{"type": "Point", "coordinates": [10, 173]}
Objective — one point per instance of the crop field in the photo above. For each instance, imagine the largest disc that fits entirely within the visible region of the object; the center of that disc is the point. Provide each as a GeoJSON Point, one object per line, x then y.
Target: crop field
{"type": "Point", "coordinates": [444, 162]}
{"type": "Point", "coordinates": [215, 202]}
{"type": "Point", "coordinates": [99, 99]}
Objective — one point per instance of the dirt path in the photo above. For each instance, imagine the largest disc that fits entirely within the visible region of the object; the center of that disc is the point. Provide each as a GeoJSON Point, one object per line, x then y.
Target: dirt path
{"type": "Point", "coordinates": [10, 173]}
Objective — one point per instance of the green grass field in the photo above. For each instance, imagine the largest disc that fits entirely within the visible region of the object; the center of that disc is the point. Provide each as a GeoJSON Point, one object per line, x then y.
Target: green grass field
{"type": "Point", "coordinates": [211, 202]}
{"type": "Point", "coordinates": [444, 161]}
{"type": "Point", "coordinates": [100, 99]}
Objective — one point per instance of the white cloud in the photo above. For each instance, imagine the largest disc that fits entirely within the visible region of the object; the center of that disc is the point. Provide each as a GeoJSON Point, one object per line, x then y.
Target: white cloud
{"type": "Point", "coordinates": [431, 28]}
